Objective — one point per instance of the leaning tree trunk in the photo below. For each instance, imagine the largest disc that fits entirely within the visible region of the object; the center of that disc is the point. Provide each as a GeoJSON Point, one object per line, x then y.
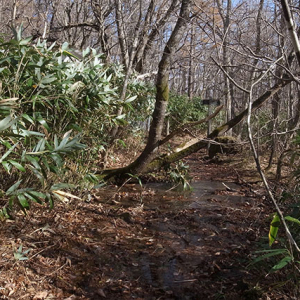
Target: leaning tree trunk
{"type": "Point", "coordinates": [161, 162]}
{"type": "Point", "coordinates": [144, 162]}
{"type": "Point", "coordinates": [162, 97]}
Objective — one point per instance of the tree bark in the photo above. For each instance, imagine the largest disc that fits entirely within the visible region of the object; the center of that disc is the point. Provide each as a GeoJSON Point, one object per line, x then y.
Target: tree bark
{"type": "Point", "coordinates": [160, 162]}
{"type": "Point", "coordinates": [226, 61]}
{"type": "Point", "coordinates": [147, 43]}
{"type": "Point", "coordinates": [191, 63]}
{"type": "Point", "coordinates": [291, 27]}
{"type": "Point", "coordinates": [162, 97]}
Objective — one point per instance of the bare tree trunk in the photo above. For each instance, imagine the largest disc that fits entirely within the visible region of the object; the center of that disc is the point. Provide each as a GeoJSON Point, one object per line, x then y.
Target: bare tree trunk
{"type": "Point", "coordinates": [121, 34]}
{"type": "Point", "coordinates": [100, 14]}
{"type": "Point", "coordinates": [162, 90]}
{"type": "Point", "coordinates": [159, 162]}
{"type": "Point", "coordinates": [128, 56]}
{"type": "Point", "coordinates": [162, 97]}
{"type": "Point", "coordinates": [191, 63]}
{"type": "Point", "coordinates": [14, 14]}
{"type": "Point", "coordinates": [291, 27]}
{"type": "Point", "coordinates": [296, 45]}
{"type": "Point", "coordinates": [147, 43]}
{"type": "Point", "coordinates": [275, 111]}
{"type": "Point", "coordinates": [226, 27]}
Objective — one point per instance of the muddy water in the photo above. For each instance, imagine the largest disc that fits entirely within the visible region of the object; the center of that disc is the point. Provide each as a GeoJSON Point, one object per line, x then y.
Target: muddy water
{"type": "Point", "coordinates": [188, 236]}
{"type": "Point", "coordinates": [193, 234]}
{"type": "Point", "coordinates": [203, 194]}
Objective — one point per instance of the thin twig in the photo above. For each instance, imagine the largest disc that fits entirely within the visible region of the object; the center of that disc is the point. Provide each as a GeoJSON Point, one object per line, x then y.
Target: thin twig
{"type": "Point", "coordinates": [259, 169]}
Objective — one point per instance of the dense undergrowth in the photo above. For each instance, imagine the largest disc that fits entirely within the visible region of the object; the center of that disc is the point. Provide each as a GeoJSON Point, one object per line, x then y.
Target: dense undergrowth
{"type": "Point", "coordinates": [56, 113]}
{"type": "Point", "coordinates": [57, 110]}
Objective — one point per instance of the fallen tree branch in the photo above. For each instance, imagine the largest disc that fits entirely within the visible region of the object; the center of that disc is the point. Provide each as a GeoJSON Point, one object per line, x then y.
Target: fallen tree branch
{"type": "Point", "coordinates": [166, 160]}
{"type": "Point", "coordinates": [160, 162]}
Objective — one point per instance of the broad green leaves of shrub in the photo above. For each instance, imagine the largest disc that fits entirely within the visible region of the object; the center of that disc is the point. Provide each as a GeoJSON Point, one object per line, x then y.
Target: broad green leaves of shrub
{"type": "Point", "coordinates": [51, 104]}
{"type": "Point", "coordinates": [279, 258]}
{"type": "Point", "coordinates": [181, 110]}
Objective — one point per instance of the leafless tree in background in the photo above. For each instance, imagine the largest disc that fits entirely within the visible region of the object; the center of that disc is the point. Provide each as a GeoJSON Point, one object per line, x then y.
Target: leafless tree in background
{"type": "Point", "coordinates": [224, 49]}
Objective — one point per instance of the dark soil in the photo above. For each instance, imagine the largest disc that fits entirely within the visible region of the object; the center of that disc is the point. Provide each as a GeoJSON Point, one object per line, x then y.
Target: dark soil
{"type": "Point", "coordinates": [143, 243]}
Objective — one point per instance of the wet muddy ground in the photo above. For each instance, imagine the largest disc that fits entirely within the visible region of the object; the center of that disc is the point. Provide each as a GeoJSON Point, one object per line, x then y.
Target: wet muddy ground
{"type": "Point", "coordinates": [146, 242]}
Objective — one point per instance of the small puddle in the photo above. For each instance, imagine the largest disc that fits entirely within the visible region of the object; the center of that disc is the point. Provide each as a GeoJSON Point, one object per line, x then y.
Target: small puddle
{"type": "Point", "coordinates": [203, 193]}
{"type": "Point", "coordinates": [196, 221]}
{"type": "Point", "coordinates": [187, 230]}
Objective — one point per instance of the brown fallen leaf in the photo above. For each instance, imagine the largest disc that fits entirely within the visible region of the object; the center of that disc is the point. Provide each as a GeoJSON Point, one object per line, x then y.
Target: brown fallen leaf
{"type": "Point", "coordinates": [40, 295]}
{"type": "Point", "coordinates": [101, 293]}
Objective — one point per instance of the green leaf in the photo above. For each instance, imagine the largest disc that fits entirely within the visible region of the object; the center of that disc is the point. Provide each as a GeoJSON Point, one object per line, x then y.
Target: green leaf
{"type": "Point", "coordinates": [92, 178]}
{"type": "Point", "coordinates": [17, 165]}
{"type": "Point", "coordinates": [269, 253]}
{"type": "Point", "coordinates": [45, 164]}
{"type": "Point", "coordinates": [52, 46]}
{"type": "Point", "coordinates": [20, 254]}
{"type": "Point", "coordinates": [44, 123]}
{"type": "Point", "coordinates": [5, 213]}
{"type": "Point", "coordinates": [86, 52]}
{"type": "Point", "coordinates": [6, 166]}
{"type": "Point", "coordinates": [19, 33]}
{"type": "Point", "coordinates": [25, 41]}
{"type": "Point", "coordinates": [33, 198]}
{"type": "Point", "coordinates": [64, 46]}
{"type": "Point", "coordinates": [23, 201]}
{"type": "Point", "coordinates": [130, 99]}
{"type": "Point", "coordinates": [59, 60]}
{"type": "Point", "coordinates": [291, 219]}
{"type": "Point", "coordinates": [68, 53]}
{"type": "Point", "coordinates": [274, 229]}
{"type": "Point", "coordinates": [40, 146]}
{"type": "Point", "coordinates": [59, 186]}
{"type": "Point", "coordinates": [47, 79]}
{"type": "Point", "coordinates": [33, 161]}
{"type": "Point", "coordinates": [120, 117]}
{"type": "Point", "coordinates": [6, 123]}
{"type": "Point", "coordinates": [8, 152]}
{"type": "Point", "coordinates": [281, 264]}
{"type": "Point", "coordinates": [100, 185]}
{"type": "Point", "coordinates": [67, 145]}
{"type": "Point", "coordinates": [50, 200]}
{"type": "Point", "coordinates": [122, 143]}
{"type": "Point", "coordinates": [38, 174]}
{"type": "Point", "coordinates": [37, 194]}
{"type": "Point", "coordinates": [76, 127]}
{"type": "Point", "coordinates": [26, 117]}
{"type": "Point", "coordinates": [58, 160]}
{"type": "Point", "coordinates": [13, 188]}
{"type": "Point", "coordinates": [25, 133]}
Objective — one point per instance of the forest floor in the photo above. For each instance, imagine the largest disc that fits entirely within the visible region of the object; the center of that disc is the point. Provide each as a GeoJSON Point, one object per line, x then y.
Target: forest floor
{"type": "Point", "coordinates": [146, 242]}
